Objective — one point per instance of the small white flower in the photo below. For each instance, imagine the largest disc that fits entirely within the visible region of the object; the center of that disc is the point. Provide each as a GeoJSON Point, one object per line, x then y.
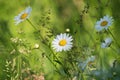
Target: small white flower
{"type": "Point", "coordinates": [14, 40]}
{"type": "Point", "coordinates": [91, 59]}
{"type": "Point", "coordinates": [104, 23]}
{"type": "Point", "coordinates": [67, 30]}
{"type": "Point", "coordinates": [36, 46]}
{"type": "Point", "coordinates": [62, 42]}
{"type": "Point", "coordinates": [85, 63]}
{"type": "Point", "coordinates": [22, 50]}
{"type": "Point", "coordinates": [23, 15]}
{"type": "Point", "coordinates": [106, 43]}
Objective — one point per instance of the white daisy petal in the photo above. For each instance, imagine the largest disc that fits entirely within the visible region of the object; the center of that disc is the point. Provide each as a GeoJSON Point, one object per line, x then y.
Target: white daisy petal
{"type": "Point", "coordinates": [103, 45]}
{"type": "Point", "coordinates": [91, 59]}
{"type": "Point", "coordinates": [28, 9]}
{"type": "Point", "coordinates": [106, 43]}
{"type": "Point", "coordinates": [108, 40]}
{"type": "Point", "coordinates": [98, 28]}
{"type": "Point", "coordinates": [62, 42]}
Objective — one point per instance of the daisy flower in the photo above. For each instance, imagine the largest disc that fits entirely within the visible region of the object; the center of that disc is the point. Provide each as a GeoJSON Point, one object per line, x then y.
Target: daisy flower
{"type": "Point", "coordinates": [62, 42]}
{"type": "Point", "coordinates": [107, 42]}
{"type": "Point", "coordinates": [104, 23]}
{"type": "Point", "coordinates": [23, 15]}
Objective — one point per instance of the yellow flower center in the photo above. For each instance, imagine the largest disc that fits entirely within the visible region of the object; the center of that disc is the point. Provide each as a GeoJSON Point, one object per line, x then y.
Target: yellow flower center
{"type": "Point", "coordinates": [23, 16]}
{"type": "Point", "coordinates": [63, 42]}
{"type": "Point", "coordinates": [104, 23]}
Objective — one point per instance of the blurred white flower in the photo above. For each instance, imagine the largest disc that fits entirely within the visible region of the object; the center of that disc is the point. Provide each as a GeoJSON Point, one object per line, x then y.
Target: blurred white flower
{"type": "Point", "coordinates": [14, 40]}
{"type": "Point", "coordinates": [67, 30]}
{"type": "Point", "coordinates": [22, 50]}
{"type": "Point", "coordinates": [36, 46]}
{"type": "Point", "coordinates": [23, 15]}
{"type": "Point", "coordinates": [107, 42]}
{"type": "Point", "coordinates": [104, 23]}
{"type": "Point", "coordinates": [84, 64]}
{"type": "Point", "coordinates": [62, 42]}
{"type": "Point", "coordinates": [91, 59]}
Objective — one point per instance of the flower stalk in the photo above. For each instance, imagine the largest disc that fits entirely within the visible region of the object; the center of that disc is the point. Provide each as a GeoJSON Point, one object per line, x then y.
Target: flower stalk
{"type": "Point", "coordinates": [31, 24]}
{"type": "Point", "coordinates": [113, 37]}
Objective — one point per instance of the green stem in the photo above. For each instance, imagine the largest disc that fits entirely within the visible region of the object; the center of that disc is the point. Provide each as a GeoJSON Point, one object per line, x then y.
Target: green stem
{"type": "Point", "coordinates": [31, 24]}
{"type": "Point", "coordinates": [52, 62]}
{"type": "Point", "coordinates": [82, 76]}
{"type": "Point", "coordinates": [113, 37]}
{"type": "Point", "coordinates": [35, 28]}
{"type": "Point", "coordinates": [19, 67]}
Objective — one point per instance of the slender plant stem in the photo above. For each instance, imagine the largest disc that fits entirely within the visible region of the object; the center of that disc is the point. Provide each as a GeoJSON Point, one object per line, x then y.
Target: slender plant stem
{"type": "Point", "coordinates": [31, 24]}
{"type": "Point", "coordinates": [50, 60]}
{"type": "Point", "coordinates": [82, 76]}
{"type": "Point", "coordinates": [52, 63]}
{"type": "Point", "coordinates": [113, 37]}
{"type": "Point", "coordinates": [19, 65]}
{"type": "Point", "coordinates": [35, 29]}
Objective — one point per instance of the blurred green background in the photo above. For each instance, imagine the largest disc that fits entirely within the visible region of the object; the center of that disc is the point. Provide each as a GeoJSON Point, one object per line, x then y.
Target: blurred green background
{"type": "Point", "coordinates": [79, 16]}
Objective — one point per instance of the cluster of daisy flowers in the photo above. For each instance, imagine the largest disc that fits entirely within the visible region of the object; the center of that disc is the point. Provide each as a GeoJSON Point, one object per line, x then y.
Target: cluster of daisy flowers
{"type": "Point", "coordinates": [103, 24]}
{"type": "Point", "coordinates": [63, 42]}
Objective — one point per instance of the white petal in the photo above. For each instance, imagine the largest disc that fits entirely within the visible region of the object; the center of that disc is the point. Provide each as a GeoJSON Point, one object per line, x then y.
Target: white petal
{"type": "Point", "coordinates": [98, 28]}
{"type": "Point", "coordinates": [108, 40]}
{"type": "Point", "coordinates": [104, 45]}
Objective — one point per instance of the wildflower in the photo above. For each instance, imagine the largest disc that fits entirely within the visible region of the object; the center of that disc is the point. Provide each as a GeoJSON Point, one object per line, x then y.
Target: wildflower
{"type": "Point", "coordinates": [14, 40]}
{"type": "Point", "coordinates": [22, 50]}
{"type": "Point", "coordinates": [67, 30]}
{"type": "Point", "coordinates": [85, 63]}
{"type": "Point", "coordinates": [36, 46]}
{"type": "Point", "coordinates": [107, 42]}
{"type": "Point", "coordinates": [23, 15]}
{"type": "Point", "coordinates": [62, 42]}
{"type": "Point", "coordinates": [104, 23]}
